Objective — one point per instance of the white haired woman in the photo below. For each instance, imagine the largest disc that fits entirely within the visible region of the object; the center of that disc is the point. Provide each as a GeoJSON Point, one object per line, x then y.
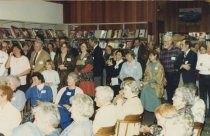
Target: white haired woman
{"type": "Point", "coordinates": [64, 96]}
{"type": "Point", "coordinates": [198, 108]}
{"type": "Point", "coordinates": [132, 105]}
{"type": "Point", "coordinates": [106, 115]}
{"type": "Point", "coordinates": [183, 101]}
{"type": "Point", "coordinates": [81, 110]}
{"type": "Point", "coordinates": [46, 121]}
{"type": "Point", "coordinates": [18, 98]}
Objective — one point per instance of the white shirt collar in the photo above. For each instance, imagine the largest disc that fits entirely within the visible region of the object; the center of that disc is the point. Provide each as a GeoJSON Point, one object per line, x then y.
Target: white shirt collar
{"type": "Point", "coordinates": [41, 86]}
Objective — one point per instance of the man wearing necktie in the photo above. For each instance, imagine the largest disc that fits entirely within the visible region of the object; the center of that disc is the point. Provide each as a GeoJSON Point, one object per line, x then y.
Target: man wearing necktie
{"type": "Point", "coordinates": [38, 57]}
{"type": "Point", "coordinates": [187, 62]}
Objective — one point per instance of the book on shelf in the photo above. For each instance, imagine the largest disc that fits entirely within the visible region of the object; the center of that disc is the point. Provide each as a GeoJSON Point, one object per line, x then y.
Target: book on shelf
{"type": "Point", "coordinates": [100, 33]}
{"type": "Point", "coordinates": [60, 33]}
{"type": "Point", "coordinates": [119, 33]}
{"type": "Point", "coordinates": [16, 32]}
{"type": "Point", "coordinates": [115, 34]}
{"type": "Point", "coordinates": [49, 33]}
{"type": "Point", "coordinates": [113, 44]}
{"type": "Point", "coordinates": [102, 44]}
{"type": "Point", "coordinates": [38, 32]}
{"type": "Point", "coordinates": [142, 33]}
{"type": "Point", "coordinates": [109, 34]}
{"type": "Point", "coordinates": [1, 32]}
{"type": "Point", "coordinates": [32, 33]}
{"type": "Point", "coordinates": [26, 34]}
{"type": "Point", "coordinates": [125, 33]}
{"type": "Point", "coordinates": [137, 33]}
{"type": "Point", "coordinates": [131, 34]}
{"type": "Point", "coordinates": [7, 33]}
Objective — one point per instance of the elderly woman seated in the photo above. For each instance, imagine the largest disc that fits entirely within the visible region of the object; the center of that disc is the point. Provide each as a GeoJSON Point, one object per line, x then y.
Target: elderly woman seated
{"type": "Point", "coordinates": [9, 116]}
{"type": "Point", "coordinates": [132, 105]}
{"type": "Point", "coordinates": [168, 121]}
{"type": "Point", "coordinates": [106, 115]}
{"type": "Point", "coordinates": [64, 96]}
{"type": "Point", "coordinates": [183, 101]}
{"type": "Point", "coordinates": [81, 110]}
{"type": "Point", "coordinates": [46, 121]}
{"type": "Point", "coordinates": [198, 107]}
{"type": "Point", "coordinates": [18, 97]}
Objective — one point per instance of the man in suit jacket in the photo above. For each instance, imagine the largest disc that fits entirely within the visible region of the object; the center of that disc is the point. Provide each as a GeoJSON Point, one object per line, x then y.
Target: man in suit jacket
{"type": "Point", "coordinates": [186, 62]}
{"type": "Point", "coordinates": [38, 57]}
{"type": "Point", "coordinates": [98, 61]}
{"type": "Point", "coordinates": [141, 53]}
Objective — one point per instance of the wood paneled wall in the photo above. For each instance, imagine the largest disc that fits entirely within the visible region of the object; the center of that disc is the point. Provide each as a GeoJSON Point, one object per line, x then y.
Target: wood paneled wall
{"type": "Point", "coordinates": [109, 12]}
{"type": "Point", "coordinates": [169, 14]}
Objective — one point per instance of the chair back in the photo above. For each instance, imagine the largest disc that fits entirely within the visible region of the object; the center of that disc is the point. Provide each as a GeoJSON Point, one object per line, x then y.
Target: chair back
{"type": "Point", "coordinates": [198, 126]}
{"type": "Point", "coordinates": [106, 131]}
{"type": "Point", "coordinates": [129, 119]}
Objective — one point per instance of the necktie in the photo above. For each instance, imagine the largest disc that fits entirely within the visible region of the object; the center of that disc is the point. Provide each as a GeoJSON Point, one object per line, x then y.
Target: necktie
{"type": "Point", "coordinates": [35, 58]}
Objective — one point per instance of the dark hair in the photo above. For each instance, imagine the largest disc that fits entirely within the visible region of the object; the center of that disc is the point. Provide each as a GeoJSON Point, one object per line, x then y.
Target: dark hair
{"type": "Point", "coordinates": [94, 39]}
{"type": "Point", "coordinates": [131, 52]}
{"type": "Point", "coordinates": [188, 42]}
{"type": "Point", "coordinates": [80, 44]}
{"type": "Point", "coordinates": [39, 76]}
{"type": "Point", "coordinates": [17, 46]}
{"type": "Point", "coordinates": [202, 44]}
{"type": "Point", "coordinates": [120, 51]}
{"type": "Point", "coordinates": [154, 52]}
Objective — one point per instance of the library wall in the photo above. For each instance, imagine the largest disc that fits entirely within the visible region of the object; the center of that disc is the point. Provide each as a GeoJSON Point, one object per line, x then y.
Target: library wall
{"type": "Point", "coordinates": [32, 11]}
{"type": "Point", "coordinates": [110, 12]}
{"type": "Point", "coordinates": [169, 15]}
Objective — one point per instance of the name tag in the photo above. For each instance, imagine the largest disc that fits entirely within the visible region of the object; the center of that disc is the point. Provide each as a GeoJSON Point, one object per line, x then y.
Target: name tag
{"type": "Point", "coordinates": [173, 58]}
{"type": "Point", "coordinates": [68, 93]}
{"type": "Point", "coordinates": [43, 91]}
{"type": "Point", "coordinates": [41, 62]}
{"type": "Point", "coordinates": [68, 59]}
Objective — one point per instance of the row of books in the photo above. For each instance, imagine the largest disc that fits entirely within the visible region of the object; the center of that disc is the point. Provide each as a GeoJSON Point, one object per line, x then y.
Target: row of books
{"type": "Point", "coordinates": [25, 33]}
{"type": "Point", "coordinates": [126, 33]}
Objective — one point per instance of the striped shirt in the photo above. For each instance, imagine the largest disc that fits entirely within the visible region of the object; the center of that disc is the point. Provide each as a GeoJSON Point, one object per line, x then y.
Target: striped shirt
{"type": "Point", "coordinates": [168, 58]}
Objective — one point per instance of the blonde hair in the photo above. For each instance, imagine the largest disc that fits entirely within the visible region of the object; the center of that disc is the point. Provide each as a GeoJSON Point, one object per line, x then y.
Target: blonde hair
{"type": "Point", "coordinates": [165, 110]}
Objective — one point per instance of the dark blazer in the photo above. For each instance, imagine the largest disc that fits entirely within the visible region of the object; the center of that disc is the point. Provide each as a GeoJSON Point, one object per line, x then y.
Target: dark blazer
{"type": "Point", "coordinates": [98, 61]}
{"type": "Point", "coordinates": [191, 58]}
{"type": "Point", "coordinates": [143, 56]}
{"type": "Point", "coordinates": [69, 62]}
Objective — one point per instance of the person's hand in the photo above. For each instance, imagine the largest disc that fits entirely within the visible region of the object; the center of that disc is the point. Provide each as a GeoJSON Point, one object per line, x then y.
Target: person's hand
{"type": "Point", "coordinates": [61, 67]}
{"type": "Point", "coordinates": [11, 54]}
{"type": "Point", "coordinates": [67, 106]}
{"type": "Point", "coordinates": [144, 129]}
{"type": "Point", "coordinates": [186, 66]}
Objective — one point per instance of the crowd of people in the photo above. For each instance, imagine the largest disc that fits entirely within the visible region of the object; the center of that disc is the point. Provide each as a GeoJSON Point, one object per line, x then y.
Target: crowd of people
{"type": "Point", "coordinates": [77, 91]}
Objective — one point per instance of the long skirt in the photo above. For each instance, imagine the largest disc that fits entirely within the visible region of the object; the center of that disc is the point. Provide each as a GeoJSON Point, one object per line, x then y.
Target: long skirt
{"type": "Point", "coordinates": [149, 99]}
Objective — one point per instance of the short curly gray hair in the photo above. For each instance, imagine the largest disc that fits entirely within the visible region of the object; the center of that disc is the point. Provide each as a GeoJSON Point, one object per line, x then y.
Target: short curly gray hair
{"type": "Point", "coordinates": [47, 112]}
{"type": "Point", "coordinates": [187, 96]}
{"type": "Point", "coordinates": [14, 79]}
{"type": "Point", "coordinates": [83, 104]}
{"type": "Point", "coordinates": [104, 92]}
